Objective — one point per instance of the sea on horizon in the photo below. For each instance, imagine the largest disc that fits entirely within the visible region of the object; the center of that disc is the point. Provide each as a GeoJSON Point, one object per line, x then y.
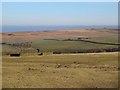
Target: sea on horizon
{"type": "Point", "coordinates": [46, 28]}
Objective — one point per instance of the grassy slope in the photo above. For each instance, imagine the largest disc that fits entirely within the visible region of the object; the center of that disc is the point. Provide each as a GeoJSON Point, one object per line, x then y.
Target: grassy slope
{"type": "Point", "coordinates": [49, 45]}
{"type": "Point", "coordinates": [112, 39]}
{"type": "Point", "coordinates": [80, 70]}
{"type": "Point", "coordinates": [68, 45]}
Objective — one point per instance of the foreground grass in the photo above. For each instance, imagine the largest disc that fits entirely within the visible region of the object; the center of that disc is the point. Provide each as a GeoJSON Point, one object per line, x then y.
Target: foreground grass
{"type": "Point", "coordinates": [61, 71]}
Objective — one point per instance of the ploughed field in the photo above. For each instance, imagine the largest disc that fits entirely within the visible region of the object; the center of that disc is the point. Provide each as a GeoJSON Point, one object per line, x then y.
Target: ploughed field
{"type": "Point", "coordinates": [55, 59]}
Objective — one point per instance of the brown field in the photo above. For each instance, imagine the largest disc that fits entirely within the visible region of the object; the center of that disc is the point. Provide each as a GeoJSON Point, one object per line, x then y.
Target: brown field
{"type": "Point", "coordinates": [60, 34]}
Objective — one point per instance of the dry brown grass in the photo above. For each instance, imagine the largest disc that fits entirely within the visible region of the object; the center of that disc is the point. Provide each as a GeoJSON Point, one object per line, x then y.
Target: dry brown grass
{"type": "Point", "coordinates": [61, 71]}
{"type": "Point", "coordinates": [58, 34]}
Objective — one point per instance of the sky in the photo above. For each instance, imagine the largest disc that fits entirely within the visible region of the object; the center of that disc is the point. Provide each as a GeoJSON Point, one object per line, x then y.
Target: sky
{"type": "Point", "coordinates": [59, 13]}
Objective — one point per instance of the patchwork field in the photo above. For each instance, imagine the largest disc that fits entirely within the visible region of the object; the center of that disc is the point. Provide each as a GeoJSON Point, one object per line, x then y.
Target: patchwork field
{"type": "Point", "coordinates": [73, 69]}
{"type": "Point", "coordinates": [60, 40]}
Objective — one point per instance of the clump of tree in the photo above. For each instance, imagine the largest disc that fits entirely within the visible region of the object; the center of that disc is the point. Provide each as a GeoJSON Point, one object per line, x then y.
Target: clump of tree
{"type": "Point", "coordinates": [22, 44]}
{"type": "Point", "coordinates": [79, 38]}
{"type": "Point", "coordinates": [89, 51]}
{"type": "Point", "coordinates": [10, 34]}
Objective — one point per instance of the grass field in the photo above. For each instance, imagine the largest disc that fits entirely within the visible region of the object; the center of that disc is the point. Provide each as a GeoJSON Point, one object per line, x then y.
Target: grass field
{"type": "Point", "coordinates": [61, 71]}
{"type": "Point", "coordinates": [50, 46]}
{"type": "Point", "coordinates": [85, 70]}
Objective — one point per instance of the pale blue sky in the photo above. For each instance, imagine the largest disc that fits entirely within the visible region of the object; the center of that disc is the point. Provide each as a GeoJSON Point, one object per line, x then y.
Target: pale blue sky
{"type": "Point", "coordinates": [60, 13]}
